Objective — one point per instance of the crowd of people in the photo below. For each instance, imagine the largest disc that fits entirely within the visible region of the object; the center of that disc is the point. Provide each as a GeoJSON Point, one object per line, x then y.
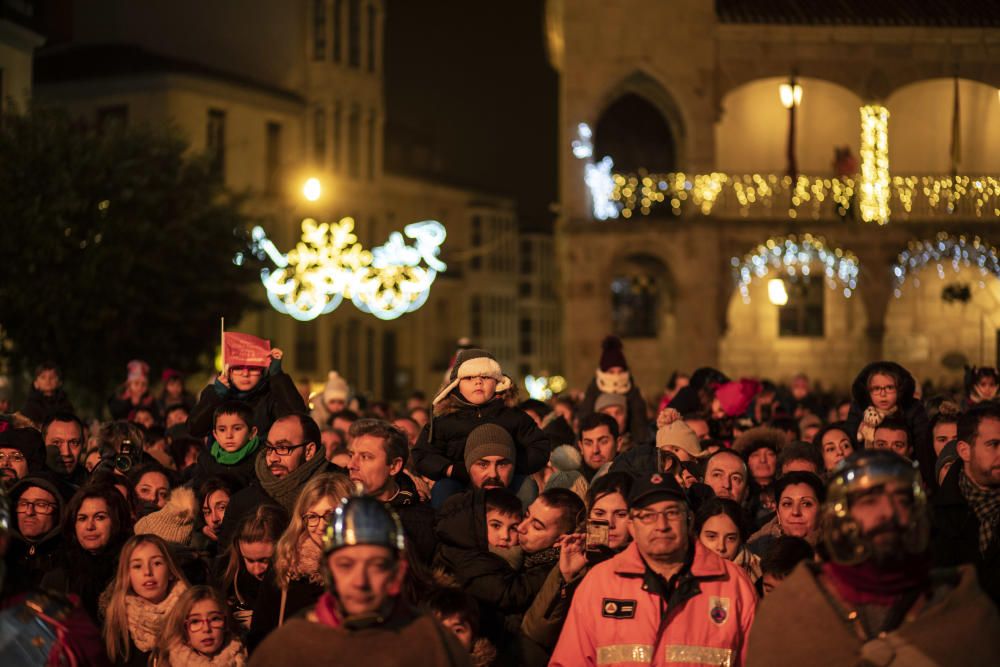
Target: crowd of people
{"type": "Point", "coordinates": [726, 522]}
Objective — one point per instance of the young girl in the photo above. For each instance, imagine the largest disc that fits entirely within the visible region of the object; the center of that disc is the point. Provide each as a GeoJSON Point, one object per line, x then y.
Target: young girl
{"type": "Point", "coordinates": [250, 557]}
{"type": "Point", "coordinates": [199, 633]}
{"type": "Point", "coordinates": [720, 526]}
{"type": "Point", "coordinates": [146, 587]}
{"type": "Point", "coordinates": [297, 581]}
{"type": "Point", "coordinates": [477, 393]}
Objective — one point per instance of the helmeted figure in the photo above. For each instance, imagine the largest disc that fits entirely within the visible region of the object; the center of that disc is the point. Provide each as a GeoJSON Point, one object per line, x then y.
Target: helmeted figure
{"type": "Point", "coordinates": [874, 599]}
{"type": "Point", "coordinates": [362, 619]}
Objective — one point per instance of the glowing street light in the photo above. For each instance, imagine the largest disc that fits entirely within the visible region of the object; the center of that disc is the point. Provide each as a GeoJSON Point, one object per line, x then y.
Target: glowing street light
{"type": "Point", "coordinates": [790, 94]}
{"type": "Point", "coordinates": [791, 97]}
{"type": "Point", "coordinates": [776, 292]}
{"type": "Point", "coordinates": [312, 189]}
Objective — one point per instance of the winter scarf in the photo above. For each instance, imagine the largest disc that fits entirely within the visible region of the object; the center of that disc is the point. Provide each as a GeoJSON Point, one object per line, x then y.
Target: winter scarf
{"type": "Point", "coordinates": [145, 619]}
{"type": "Point", "coordinates": [232, 654]}
{"type": "Point", "coordinates": [548, 556]}
{"type": "Point", "coordinates": [985, 504]}
{"type": "Point", "coordinates": [869, 584]}
{"type": "Point", "coordinates": [513, 555]}
{"type": "Point", "coordinates": [232, 458]}
{"type": "Point", "coordinates": [286, 489]}
{"type": "Point", "coordinates": [309, 558]}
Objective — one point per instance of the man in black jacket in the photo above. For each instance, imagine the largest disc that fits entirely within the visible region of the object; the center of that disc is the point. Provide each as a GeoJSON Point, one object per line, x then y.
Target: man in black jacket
{"type": "Point", "coordinates": [966, 509]}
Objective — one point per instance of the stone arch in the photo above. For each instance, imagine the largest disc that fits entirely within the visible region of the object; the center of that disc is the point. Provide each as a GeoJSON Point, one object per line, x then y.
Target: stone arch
{"type": "Point", "coordinates": [648, 88]}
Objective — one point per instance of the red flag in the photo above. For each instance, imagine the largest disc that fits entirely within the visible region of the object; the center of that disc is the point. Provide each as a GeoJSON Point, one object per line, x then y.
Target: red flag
{"type": "Point", "coordinates": [240, 349]}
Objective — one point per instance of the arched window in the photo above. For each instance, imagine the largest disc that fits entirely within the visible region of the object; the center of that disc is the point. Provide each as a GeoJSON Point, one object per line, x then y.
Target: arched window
{"type": "Point", "coordinates": [637, 297]}
{"type": "Point", "coordinates": [635, 134]}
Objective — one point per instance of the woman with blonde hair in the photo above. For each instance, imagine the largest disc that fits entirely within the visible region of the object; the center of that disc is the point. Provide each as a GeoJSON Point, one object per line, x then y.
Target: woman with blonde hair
{"type": "Point", "coordinates": [250, 557]}
{"type": "Point", "coordinates": [199, 632]}
{"type": "Point", "coordinates": [296, 580]}
{"type": "Point", "coordinates": [146, 587]}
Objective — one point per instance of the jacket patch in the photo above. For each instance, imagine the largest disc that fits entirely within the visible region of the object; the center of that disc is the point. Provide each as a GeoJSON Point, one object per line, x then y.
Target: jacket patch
{"type": "Point", "coordinates": [611, 608]}
{"type": "Point", "coordinates": [718, 609]}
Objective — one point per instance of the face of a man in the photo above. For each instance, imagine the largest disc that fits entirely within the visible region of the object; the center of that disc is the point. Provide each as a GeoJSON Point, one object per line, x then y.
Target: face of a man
{"type": "Point", "coordinates": [37, 512]}
{"type": "Point", "coordinates": [597, 446]}
{"type": "Point", "coordinates": [700, 428]}
{"type": "Point", "coordinates": [943, 434]}
{"type": "Point", "coordinates": [882, 389]}
{"type": "Point", "coordinates": [366, 577]}
{"type": "Point", "coordinates": [660, 529]}
{"type": "Point", "coordinates": [894, 440]}
{"type": "Point", "coordinates": [369, 464]}
{"type": "Point", "coordinates": [982, 458]}
{"type": "Point", "coordinates": [13, 465]}
{"type": "Point", "coordinates": [67, 437]}
{"type": "Point", "coordinates": [540, 528]}
{"type": "Point", "coordinates": [616, 412]}
{"type": "Point", "coordinates": [284, 449]}
{"type": "Point", "coordinates": [491, 472]}
{"type": "Point", "coordinates": [727, 475]}
{"type": "Point", "coordinates": [762, 464]}
{"type": "Point", "coordinates": [410, 428]}
{"type": "Point", "coordinates": [883, 514]}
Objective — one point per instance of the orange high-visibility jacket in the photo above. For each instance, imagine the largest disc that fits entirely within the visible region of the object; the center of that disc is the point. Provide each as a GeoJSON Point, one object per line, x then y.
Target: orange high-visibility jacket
{"type": "Point", "coordinates": [615, 620]}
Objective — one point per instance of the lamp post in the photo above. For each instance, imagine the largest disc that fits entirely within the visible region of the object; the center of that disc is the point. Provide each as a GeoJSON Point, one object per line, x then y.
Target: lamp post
{"type": "Point", "coordinates": [791, 96]}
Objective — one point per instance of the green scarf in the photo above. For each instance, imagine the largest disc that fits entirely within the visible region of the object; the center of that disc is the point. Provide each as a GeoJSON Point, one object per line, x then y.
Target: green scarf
{"type": "Point", "coordinates": [232, 458]}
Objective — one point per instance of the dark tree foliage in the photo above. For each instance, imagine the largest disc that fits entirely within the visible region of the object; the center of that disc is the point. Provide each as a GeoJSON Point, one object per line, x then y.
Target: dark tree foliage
{"type": "Point", "coordinates": [115, 245]}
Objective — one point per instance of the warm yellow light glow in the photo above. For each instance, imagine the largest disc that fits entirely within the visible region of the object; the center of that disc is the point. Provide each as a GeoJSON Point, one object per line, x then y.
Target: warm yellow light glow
{"type": "Point", "coordinates": [875, 186]}
{"type": "Point", "coordinates": [312, 189]}
{"type": "Point", "coordinates": [776, 292]}
{"type": "Point", "coordinates": [790, 95]}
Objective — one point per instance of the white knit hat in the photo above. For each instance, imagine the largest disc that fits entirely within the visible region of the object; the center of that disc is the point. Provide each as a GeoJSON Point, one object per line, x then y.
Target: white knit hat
{"type": "Point", "coordinates": [336, 388]}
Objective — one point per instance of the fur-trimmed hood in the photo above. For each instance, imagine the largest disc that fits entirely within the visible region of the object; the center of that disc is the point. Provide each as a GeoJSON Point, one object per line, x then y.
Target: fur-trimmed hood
{"type": "Point", "coordinates": [757, 438]}
{"type": "Point", "coordinates": [904, 392]}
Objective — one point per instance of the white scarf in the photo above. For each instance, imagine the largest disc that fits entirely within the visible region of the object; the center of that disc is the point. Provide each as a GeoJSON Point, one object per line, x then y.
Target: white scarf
{"type": "Point", "coordinates": [145, 619]}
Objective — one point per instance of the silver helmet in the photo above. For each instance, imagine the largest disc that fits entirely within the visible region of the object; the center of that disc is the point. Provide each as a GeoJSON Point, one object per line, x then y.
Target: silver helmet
{"type": "Point", "coordinates": [362, 520]}
{"type": "Point", "coordinates": [864, 471]}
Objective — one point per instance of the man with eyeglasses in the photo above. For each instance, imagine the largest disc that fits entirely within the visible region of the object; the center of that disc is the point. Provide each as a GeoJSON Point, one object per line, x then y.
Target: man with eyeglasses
{"type": "Point", "coordinates": [292, 454]}
{"type": "Point", "coordinates": [35, 536]}
{"type": "Point", "coordinates": [665, 599]}
{"type": "Point", "coordinates": [21, 452]}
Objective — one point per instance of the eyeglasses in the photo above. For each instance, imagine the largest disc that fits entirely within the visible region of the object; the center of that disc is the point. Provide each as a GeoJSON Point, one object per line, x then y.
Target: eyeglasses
{"type": "Point", "coordinates": [247, 370]}
{"type": "Point", "coordinates": [312, 519]}
{"type": "Point", "coordinates": [42, 507]}
{"type": "Point", "coordinates": [887, 389]}
{"type": "Point", "coordinates": [649, 517]}
{"type": "Point", "coordinates": [199, 624]}
{"type": "Point", "coordinates": [281, 450]}
{"type": "Point", "coordinates": [16, 457]}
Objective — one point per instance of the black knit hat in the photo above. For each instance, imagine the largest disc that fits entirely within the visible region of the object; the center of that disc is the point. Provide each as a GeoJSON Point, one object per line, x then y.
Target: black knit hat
{"type": "Point", "coordinates": [612, 354]}
{"type": "Point", "coordinates": [28, 441]}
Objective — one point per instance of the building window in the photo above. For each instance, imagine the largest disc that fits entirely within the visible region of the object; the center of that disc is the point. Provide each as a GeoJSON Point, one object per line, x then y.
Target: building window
{"type": "Point", "coordinates": [215, 142]}
{"type": "Point", "coordinates": [319, 137]}
{"type": "Point", "coordinates": [525, 338]}
{"type": "Point", "coordinates": [803, 314]}
{"type": "Point", "coordinates": [319, 29]}
{"type": "Point", "coordinates": [335, 137]}
{"type": "Point", "coordinates": [272, 183]}
{"type": "Point", "coordinates": [354, 33]}
{"type": "Point", "coordinates": [372, 129]}
{"type": "Point", "coordinates": [110, 118]}
{"type": "Point", "coordinates": [527, 259]}
{"type": "Point", "coordinates": [354, 143]}
{"type": "Point", "coordinates": [634, 306]}
{"type": "Point", "coordinates": [337, 47]}
{"type": "Point", "coordinates": [372, 33]}
{"type": "Point", "coordinates": [475, 317]}
{"type": "Point", "coordinates": [306, 357]}
{"type": "Point", "coordinates": [524, 288]}
{"type": "Point", "coordinates": [476, 262]}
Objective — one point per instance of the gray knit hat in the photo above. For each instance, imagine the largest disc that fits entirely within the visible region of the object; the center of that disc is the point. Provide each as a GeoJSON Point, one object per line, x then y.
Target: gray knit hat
{"type": "Point", "coordinates": [606, 400]}
{"type": "Point", "coordinates": [488, 440]}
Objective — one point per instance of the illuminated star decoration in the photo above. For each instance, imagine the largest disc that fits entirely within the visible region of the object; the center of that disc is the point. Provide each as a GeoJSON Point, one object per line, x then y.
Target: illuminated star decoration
{"type": "Point", "coordinates": [598, 177]}
{"type": "Point", "coordinates": [328, 265]}
{"type": "Point", "coordinates": [542, 388]}
{"type": "Point", "coordinates": [958, 251]}
{"type": "Point", "coordinates": [790, 256]}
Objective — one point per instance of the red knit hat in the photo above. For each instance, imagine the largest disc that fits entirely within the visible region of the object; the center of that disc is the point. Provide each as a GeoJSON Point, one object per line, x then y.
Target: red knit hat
{"type": "Point", "coordinates": [612, 354]}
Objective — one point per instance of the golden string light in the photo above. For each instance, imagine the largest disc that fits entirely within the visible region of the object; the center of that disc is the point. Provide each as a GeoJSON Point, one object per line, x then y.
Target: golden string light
{"type": "Point", "coordinates": [874, 189]}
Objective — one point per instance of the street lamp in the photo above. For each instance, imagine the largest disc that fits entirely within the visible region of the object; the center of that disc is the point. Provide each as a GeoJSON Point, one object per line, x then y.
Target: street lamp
{"type": "Point", "coordinates": [791, 96]}
{"type": "Point", "coordinates": [312, 189]}
{"type": "Point", "coordinates": [776, 292]}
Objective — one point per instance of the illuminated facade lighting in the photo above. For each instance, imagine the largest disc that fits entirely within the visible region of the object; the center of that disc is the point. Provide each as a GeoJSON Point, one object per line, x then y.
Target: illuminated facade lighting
{"type": "Point", "coordinates": [790, 95]}
{"type": "Point", "coordinates": [542, 388]}
{"type": "Point", "coordinates": [791, 257]}
{"type": "Point", "coordinates": [943, 250]}
{"type": "Point", "coordinates": [312, 189]}
{"type": "Point", "coordinates": [776, 292]}
{"type": "Point", "coordinates": [875, 185]}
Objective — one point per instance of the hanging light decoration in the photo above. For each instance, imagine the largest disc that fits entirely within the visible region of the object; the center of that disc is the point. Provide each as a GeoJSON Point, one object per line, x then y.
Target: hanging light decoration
{"type": "Point", "coordinates": [943, 250]}
{"type": "Point", "coordinates": [543, 387]}
{"type": "Point", "coordinates": [791, 256]}
{"type": "Point", "coordinates": [874, 188]}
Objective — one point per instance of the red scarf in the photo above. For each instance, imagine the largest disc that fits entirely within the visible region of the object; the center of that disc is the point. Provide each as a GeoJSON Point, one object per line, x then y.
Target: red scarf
{"type": "Point", "coordinates": [327, 612]}
{"type": "Point", "coordinates": [869, 584]}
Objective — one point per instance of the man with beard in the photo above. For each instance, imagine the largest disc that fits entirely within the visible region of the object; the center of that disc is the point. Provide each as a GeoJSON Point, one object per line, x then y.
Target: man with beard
{"type": "Point", "coordinates": [21, 451]}
{"type": "Point", "coordinates": [293, 453]}
{"type": "Point", "coordinates": [966, 509]}
{"type": "Point", "coordinates": [874, 599]}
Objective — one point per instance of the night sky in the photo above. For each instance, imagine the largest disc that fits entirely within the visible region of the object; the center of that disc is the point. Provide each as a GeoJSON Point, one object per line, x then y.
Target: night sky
{"type": "Point", "coordinates": [472, 100]}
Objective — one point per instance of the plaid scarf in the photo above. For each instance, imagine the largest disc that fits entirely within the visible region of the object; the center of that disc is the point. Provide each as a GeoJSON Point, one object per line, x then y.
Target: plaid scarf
{"type": "Point", "coordinates": [986, 506]}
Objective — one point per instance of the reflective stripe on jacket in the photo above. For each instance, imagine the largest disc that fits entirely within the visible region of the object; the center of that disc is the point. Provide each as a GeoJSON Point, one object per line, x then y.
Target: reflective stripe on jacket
{"type": "Point", "coordinates": [615, 620]}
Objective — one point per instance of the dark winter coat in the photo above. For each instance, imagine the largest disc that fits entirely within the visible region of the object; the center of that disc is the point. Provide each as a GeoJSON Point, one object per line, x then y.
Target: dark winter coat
{"type": "Point", "coordinates": [302, 593]}
{"type": "Point", "coordinates": [85, 575]}
{"type": "Point", "coordinates": [955, 535]}
{"type": "Point", "coordinates": [433, 453]}
{"type": "Point", "coordinates": [417, 519]}
{"type": "Point", "coordinates": [464, 553]}
{"type": "Point", "coordinates": [38, 407]}
{"type": "Point", "coordinates": [638, 424]}
{"type": "Point", "coordinates": [29, 560]}
{"type": "Point", "coordinates": [274, 397]}
{"type": "Point", "coordinates": [908, 408]}
{"type": "Point", "coordinates": [560, 432]}
{"type": "Point", "coordinates": [240, 474]}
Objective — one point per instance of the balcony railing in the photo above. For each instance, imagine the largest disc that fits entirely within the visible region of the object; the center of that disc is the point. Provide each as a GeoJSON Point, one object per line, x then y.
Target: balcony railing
{"type": "Point", "coordinates": [776, 197]}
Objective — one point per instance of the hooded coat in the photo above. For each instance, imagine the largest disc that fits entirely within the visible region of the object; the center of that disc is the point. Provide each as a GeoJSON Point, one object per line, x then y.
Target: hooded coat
{"type": "Point", "coordinates": [908, 408]}
{"type": "Point", "coordinates": [38, 407]}
{"type": "Point", "coordinates": [28, 560]}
